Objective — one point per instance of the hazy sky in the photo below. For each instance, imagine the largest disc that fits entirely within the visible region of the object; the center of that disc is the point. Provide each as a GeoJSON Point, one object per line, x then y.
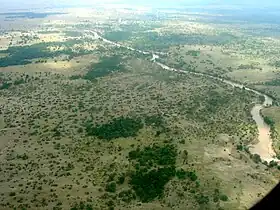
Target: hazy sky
{"type": "Point", "coordinates": [17, 4]}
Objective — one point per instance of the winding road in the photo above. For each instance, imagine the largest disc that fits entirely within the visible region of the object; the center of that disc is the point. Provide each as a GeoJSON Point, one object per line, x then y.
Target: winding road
{"type": "Point", "coordinates": [264, 146]}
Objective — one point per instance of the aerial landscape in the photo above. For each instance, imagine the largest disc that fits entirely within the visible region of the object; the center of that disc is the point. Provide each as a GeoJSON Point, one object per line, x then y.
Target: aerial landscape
{"type": "Point", "coordinates": [149, 105]}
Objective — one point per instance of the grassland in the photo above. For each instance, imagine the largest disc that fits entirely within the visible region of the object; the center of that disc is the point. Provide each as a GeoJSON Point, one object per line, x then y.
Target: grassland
{"type": "Point", "coordinates": [85, 124]}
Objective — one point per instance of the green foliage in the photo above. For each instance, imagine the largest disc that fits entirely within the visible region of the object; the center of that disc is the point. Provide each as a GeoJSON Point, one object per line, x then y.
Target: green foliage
{"type": "Point", "coordinates": [202, 199]}
{"type": "Point", "coordinates": [22, 55]}
{"type": "Point", "coordinates": [74, 77]}
{"type": "Point", "coordinates": [193, 53]}
{"type": "Point", "coordinates": [269, 121]}
{"type": "Point", "coordinates": [165, 155]}
{"type": "Point", "coordinates": [119, 127]}
{"type": "Point", "coordinates": [12, 194]}
{"type": "Point", "coordinates": [262, 99]}
{"type": "Point", "coordinates": [150, 185]}
{"type": "Point", "coordinates": [105, 67]}
{"type": "Point", "coordinates": [215, 101]}
{"type": "Point", "coordinates": [23, 157]}
{"type": "Point", "coordinates": [19, 81]}
{"type": "Point", "coordinates": [272, 164]}
{"type": "Point", "coordinates": [5, 85]}
{"type": "Point", "coordinates": [156, 41]}
{"type": "Point", "coordinates": [192, 175]}
{"type": "Point", "coordinates": [82, 206]}
{"type": "Point", "coordinates": [276, 64]}
{"type": "Point", "coordinates": [127, 196]}
{"type": "Point", "coordinates": [182, 174]}
{"type": "Point", "coordinates": [223, 197]}
{"type": "Point", "coordinates": [121, 179]}
{"type": "Point", "coordinates": [256, 158]}
{"type": "Point", "coordinates": [155, 167]}
{"type": "Point", "coordinates": [111, 187]}
{"type": "Point", "coordinates": [275, 82]}
{"type": "Point", "coordinates": [240, 147]}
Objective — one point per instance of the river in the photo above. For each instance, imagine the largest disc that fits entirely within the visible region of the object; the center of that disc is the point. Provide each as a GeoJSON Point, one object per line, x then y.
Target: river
{"type": "Point", "coordinates": [264, 146]}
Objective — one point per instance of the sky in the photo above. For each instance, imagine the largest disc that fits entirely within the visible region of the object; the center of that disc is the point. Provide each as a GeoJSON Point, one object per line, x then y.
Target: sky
{"type": "Point", "coordinates": [18, 4]}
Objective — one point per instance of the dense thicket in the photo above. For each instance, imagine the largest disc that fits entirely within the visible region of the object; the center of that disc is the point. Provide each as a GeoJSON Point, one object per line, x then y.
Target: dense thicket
{"type": "Point", "coordinates": [149, 185]}
{"type": "Point", "coordinates": [105, 67]}
{"type": "Point", "coordinates": [119, 127]}
{"type": "Point", "coordinates": [150, 156]}
{"type": "Point", "coordinates": [22, 55]}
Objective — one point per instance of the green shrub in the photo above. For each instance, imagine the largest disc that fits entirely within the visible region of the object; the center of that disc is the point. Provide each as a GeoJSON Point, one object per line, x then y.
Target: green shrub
{"type": "Point", "coordinates": [192, 175]}
{"type": "Point", "coordinates": [269, 121]}
{"type": "Point", "coordinates": [127, 196]}
{"type": "Point", "coordinates": [239, 147]}
{"type": "Point", "coordinates": [272, 164]}
{"type": "Point", "coordinates": [223, 197]}
{"type": "Point", "coordinates": [181, 174]}
{"type": "Point", "coordinates": [5, 85]}
{"type": "Point", "coordinates": [12, 194]}
{"type": "Point", "coordinates": [82, 206]}
{"type": "Point", "coordinates": [121, 179]}
{"type": "Point", "coordinates": [74, 77]}
{"type": "Point", "coordinates": [202, 199]}
{"type": "Point", "coordinates": [111, 187]}
{"type": "Point", "coordinates": [256, 158]}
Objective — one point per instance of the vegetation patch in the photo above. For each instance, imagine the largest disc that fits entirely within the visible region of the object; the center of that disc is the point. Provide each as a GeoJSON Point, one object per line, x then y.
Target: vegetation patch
{"type": "Point", "coordinates": [193, 53]}
{"type": "Point", "coordinates": [127, 195]}
{"type": "Point", "coordinates": [118, 35]}
{"type": "Point", "coordinates": [150, 185]}
{"type": "Point", "coordinates": [119, 127]}
{"type": "Point", "coordinates": [111, 187]}
{"type": "Point", "coordinates": [22, 55]}
{"type": "Point", "coordinates": [5, 85]}
{"type": "Point", "coordinates": [154, 168]}
{"type": "Point", "coordinates": [182, 174]}
{"type": "Point", "coordinates": [275, 82]}
{"type": "Point", "coordinates": [82, 206]}
{"type": "Point", "coordinates": [154, 155]}
{"type": "Point", "coordinates": [105, 67]}
{"type": "Point", "coordinates": [269, 121]}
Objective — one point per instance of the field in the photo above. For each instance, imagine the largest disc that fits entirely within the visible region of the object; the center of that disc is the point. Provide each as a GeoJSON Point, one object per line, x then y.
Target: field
{"type": "Point", "coordinates": [85, 124]}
